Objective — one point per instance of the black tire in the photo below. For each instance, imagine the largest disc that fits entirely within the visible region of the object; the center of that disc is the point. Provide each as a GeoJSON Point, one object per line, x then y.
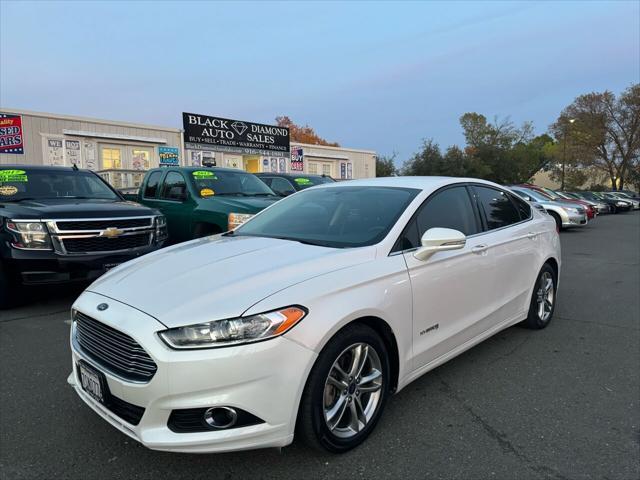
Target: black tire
{"type": "Point", "coordinates": [534, 320]}
{"type": "Point", "coordinates": [558, 220]}
{"type": "Point", "coordinates": [311, 426]}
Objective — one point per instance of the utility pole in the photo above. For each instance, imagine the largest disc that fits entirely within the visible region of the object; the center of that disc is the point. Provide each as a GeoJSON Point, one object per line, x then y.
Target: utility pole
{"type": "Point", "coordinates": [564, 151]}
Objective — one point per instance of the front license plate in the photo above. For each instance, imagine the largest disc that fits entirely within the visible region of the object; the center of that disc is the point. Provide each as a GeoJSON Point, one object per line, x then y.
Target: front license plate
{"type": "Point", "coordinates": [90, 380]}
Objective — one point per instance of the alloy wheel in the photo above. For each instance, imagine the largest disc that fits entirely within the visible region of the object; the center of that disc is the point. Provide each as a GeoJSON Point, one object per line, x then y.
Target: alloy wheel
{"type": "Point", "coordinates": [352, 390]}
{"type": "Point", "coordinates": [545, 296]}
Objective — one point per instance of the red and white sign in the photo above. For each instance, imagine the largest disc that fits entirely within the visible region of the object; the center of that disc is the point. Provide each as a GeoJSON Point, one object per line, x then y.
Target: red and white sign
{"type": "Point", "coordinates": [11, 134]}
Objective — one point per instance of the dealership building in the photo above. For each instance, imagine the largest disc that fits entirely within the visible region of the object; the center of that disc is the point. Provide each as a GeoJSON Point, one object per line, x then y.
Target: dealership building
{"type": "Point", "coordinates": [121, 152]}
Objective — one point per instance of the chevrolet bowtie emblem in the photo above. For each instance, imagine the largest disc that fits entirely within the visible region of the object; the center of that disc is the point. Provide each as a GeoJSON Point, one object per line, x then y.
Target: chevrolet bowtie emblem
{"type": "Point", "coordinates": [111, 232]}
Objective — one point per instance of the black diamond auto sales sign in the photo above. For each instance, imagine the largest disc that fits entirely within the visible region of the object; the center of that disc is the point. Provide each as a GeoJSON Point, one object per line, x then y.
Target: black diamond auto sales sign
{"type": "Point", "coordinates": [203, 132]}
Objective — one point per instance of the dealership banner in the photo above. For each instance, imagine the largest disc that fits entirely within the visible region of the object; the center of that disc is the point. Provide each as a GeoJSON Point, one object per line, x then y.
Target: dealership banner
{"type": "Point", "coordinates": [203, 132]}
{"type": "Point", "coordinates": [297, 160]}
{"type": "Point", "coordinates": [11, 134]}
{"type": "Point", "coordinates": [169, 156]}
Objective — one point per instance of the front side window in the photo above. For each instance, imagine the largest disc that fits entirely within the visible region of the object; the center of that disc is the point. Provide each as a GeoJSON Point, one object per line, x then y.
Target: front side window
{"type": "Point", "coordinates": [175, 187]}
{"type": "Point", "coordinates": [151, 188]}
{"type": "Point", "coordinates": [282, 186]}
{"type": "Point", "coordinates": [341, 217]}
{"type": "Point", "coordinates": [448, 208]}
{"type": "Point", "coordinates": [498, 209]}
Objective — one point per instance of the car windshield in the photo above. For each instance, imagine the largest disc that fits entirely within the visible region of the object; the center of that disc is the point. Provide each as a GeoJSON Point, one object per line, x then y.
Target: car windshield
{"type": "Point", "coordinates": [306, 181]}
{"type": "Point", "coordinates": [339, 217]}
{"type": "Point", "coordinates": [18, 184]}
{"type": "Point", "coordinates": [551, 194]}
{"type": "Point", "coordinates": [210, 182]}
{"type": "Point", "coordinates": [535, 194]}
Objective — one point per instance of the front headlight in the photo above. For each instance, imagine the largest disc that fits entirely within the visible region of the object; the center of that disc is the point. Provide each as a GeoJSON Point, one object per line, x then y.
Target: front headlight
{"type": "Point", "coordinates": [621, 204]}
{"type": "Point", "coordinates": [234, 331]}
{"type": "Point", "coordinates": [31, 235]}
{"type": "Point", "coordinates": [571, 210]}
{"type": "Point", "coordinates": [237, 219]}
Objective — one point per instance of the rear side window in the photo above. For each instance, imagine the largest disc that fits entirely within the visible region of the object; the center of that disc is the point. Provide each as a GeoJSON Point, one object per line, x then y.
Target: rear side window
{"type": "Point", "coordinates": [281, 185]}
{"type": "Point", "coordinates": [498, 209]}
{"type": "Point", "coordinates": [151, 188]}
{"type": "Point", "coordinates": [523, 207]}
{"type": "Point", "coordinates": [175, 187]}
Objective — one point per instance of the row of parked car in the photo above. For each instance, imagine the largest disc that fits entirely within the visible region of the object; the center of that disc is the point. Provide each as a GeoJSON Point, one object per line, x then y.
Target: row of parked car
{"type": "Point", "coordinates": [62, 225]}
{"type": "Point", "coordinates": [577, 208]}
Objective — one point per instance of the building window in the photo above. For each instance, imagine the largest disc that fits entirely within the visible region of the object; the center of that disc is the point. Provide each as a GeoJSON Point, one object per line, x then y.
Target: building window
{"type": "Point", "coordinates": [326, 169]}
{"type": "Point", "coordinates": [313, 168]}
{"type": "Point", "coordinates": [141, 159]}
{"type": "Point", "coordinates": [111, 158]}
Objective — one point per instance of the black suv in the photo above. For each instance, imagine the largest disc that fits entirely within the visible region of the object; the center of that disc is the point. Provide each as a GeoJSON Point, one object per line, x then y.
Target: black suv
{"type": "Point", "coordinates": [284, 184]}
{"type": "Point", "coordinates": [62, 224]}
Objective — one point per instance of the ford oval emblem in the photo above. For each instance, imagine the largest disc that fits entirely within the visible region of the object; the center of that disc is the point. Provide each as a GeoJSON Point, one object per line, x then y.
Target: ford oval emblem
{"type": "Point", "coordinates": [102, 307]}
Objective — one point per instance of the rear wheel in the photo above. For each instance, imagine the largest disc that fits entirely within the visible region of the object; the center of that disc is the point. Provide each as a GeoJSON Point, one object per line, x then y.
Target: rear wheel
{"type": "Point", "coordinates": [346, 391]}
{"type": "Point", "coordinates": [543, 300]}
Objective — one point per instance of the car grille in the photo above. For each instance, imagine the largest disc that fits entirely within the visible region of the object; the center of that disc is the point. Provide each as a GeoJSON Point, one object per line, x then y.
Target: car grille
{"type": "Point", "coordinates": [117, 352]}
{"type": "Point", "coordinates": [104, 244]}
{"type": "Point", "coordinates": [104, 224]}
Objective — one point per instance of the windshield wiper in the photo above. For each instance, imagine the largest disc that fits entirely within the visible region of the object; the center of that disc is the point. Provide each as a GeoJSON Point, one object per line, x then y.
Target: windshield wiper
{"type": "Point", "coordinates": [242, 194]}
{"type": "Point", "coordinates": [263, 194]}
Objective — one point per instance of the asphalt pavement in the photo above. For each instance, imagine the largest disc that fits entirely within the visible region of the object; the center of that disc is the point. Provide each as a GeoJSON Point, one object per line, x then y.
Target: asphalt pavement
{"type": "Point", "coordinates": [561, 403]}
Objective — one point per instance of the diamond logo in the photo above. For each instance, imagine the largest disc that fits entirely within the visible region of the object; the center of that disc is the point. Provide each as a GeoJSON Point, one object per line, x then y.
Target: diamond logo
{"type": "Point", "coordinates": [239, 127]}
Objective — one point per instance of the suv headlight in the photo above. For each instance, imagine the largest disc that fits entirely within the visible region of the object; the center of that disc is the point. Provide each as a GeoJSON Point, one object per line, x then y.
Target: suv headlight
{"type": "Point", "coordinates": [31, 235]}
{"type": "Point", "coordinates": [237, 219]}
{"type": "Point", "coordinates": [234, 331]}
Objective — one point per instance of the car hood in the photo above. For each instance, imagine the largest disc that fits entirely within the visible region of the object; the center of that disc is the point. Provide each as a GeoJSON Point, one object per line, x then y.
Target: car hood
{"type": "Point", "coordinates": [219, 277]}
{"type": "Point", "coordinates": [240, 204]}
{"type": "Point", "coordinates": [54, 208]}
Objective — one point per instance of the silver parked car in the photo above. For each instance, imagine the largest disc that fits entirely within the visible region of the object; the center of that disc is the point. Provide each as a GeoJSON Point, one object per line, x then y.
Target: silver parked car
{"type": "Point", "coordinates": [624, 197]}
{"type": "Point", "coordinates": [566, 214]}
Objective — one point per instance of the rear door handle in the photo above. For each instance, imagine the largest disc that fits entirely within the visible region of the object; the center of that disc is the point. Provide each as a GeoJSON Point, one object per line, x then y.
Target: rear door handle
{"type": "Point", "coordinates": [479, 249]}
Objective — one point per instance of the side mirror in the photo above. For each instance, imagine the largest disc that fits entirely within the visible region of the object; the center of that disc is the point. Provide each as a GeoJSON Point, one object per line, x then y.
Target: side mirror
{"type": "Point", "coordinates": [439, 240]}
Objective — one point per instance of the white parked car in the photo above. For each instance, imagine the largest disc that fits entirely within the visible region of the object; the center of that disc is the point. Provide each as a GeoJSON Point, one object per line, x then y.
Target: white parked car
{"type": "Point", "coordinates": [306, 318]}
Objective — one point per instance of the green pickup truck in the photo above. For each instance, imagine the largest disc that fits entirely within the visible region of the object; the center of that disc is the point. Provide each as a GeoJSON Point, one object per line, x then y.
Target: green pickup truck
{"type": "Point", "coordinates": [199, 201]}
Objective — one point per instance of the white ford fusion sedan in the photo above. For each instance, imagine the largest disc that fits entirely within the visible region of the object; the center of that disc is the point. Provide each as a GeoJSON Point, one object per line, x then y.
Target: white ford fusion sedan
{"type": "Point", "coordinates": [309, 316]}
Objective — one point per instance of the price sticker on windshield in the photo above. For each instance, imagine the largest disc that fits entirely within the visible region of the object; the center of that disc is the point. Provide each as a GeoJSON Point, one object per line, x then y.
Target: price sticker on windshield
{"type": "Point", "coordinates": [207, 192]}
{"type": "Point", "coordinates": [8, 190]}
{"type": "Point", "coordinates": [204, 175]}
{"type": "Point", "coordinates": [303, 181]}
{"type": "Point", "coordinates": [13, 176]}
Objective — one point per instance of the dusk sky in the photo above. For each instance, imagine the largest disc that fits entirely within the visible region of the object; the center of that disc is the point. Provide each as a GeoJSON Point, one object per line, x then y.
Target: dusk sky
{"type": "Point", "coordinates": [379, 76]}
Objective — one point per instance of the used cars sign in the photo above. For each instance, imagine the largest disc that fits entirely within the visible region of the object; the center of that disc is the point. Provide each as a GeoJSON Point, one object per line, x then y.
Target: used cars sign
{"type": "Point", "coordinates": [203, 132]}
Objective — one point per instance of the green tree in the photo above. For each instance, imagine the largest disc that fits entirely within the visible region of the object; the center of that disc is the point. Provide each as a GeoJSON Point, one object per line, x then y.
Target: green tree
{"type": "Point", "coordinates": [386, 166]}
{"type": "Point", "coordinates": [602, 131]}
{"type": "Point", "coordinates": [428, 161]}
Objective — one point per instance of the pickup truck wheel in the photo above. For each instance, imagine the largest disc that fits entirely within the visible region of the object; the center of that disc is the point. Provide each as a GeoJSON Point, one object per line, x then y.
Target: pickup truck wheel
{"type": "Point", "coordinates": [205, 229]}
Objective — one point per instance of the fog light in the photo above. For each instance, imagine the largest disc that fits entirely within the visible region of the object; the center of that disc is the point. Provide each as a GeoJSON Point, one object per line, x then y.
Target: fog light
{"type": "Point", "coordinates": [220, 417]}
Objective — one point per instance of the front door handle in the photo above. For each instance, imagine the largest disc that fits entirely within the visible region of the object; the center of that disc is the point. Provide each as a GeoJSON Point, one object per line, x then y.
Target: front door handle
{"type": "Point", "coordinates": [478, 249]}
{"type": "Point", "coordinates": [531, 236]}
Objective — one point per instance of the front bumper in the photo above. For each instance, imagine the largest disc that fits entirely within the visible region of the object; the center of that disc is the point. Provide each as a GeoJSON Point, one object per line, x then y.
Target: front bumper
{"type": "Point", "coordinates": [577, 220]}
{"type": "Point", "coordinates": [264, 379]}
{"type": "Point", "coordinates": [33, 267]}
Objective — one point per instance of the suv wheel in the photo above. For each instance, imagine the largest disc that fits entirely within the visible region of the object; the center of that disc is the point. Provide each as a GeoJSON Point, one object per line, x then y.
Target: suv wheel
{"type": "Point", "coordinates": [346, 391]}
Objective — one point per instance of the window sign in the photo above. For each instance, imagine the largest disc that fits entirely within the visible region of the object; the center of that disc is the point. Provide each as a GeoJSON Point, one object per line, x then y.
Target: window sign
{"type": "Point", "coordinates": [169, 156]}
{"type": "Point", "coordinates": [297, 160]}
{"type": "Point", "coordinates": [90, 155]}
{"type": "Point", "coordinates": [72, 153]}
{"type": "Point", "coordinates": [55, 153]}
{"type": "Point", "coordinates": [140, 159]}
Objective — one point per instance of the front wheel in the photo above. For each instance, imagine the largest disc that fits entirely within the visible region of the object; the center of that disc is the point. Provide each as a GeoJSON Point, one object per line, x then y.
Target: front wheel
{"type": "Point", "coordinates": [543, 300]}
{"type": "Point", "coordinates": [346, 391]}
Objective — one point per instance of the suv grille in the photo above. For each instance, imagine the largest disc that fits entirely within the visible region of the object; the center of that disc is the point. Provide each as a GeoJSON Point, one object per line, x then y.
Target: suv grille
{"type": "Point", "coordinates": [103, 224]}
{"type": "Point", "coordinates": [114, 350]}
{"type": "Point", "coordinates": [104, 244]}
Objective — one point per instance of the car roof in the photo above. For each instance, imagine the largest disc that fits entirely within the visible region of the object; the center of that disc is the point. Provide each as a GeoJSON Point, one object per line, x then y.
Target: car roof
{"type": "Point", "coordinates": [290, 175]}
{"type": "Point", "coordinates": [195, 169]}
{"type": "Point", "coordinates": [422, 183]}
{"type": "Point", "coordinates": [42, 168]}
